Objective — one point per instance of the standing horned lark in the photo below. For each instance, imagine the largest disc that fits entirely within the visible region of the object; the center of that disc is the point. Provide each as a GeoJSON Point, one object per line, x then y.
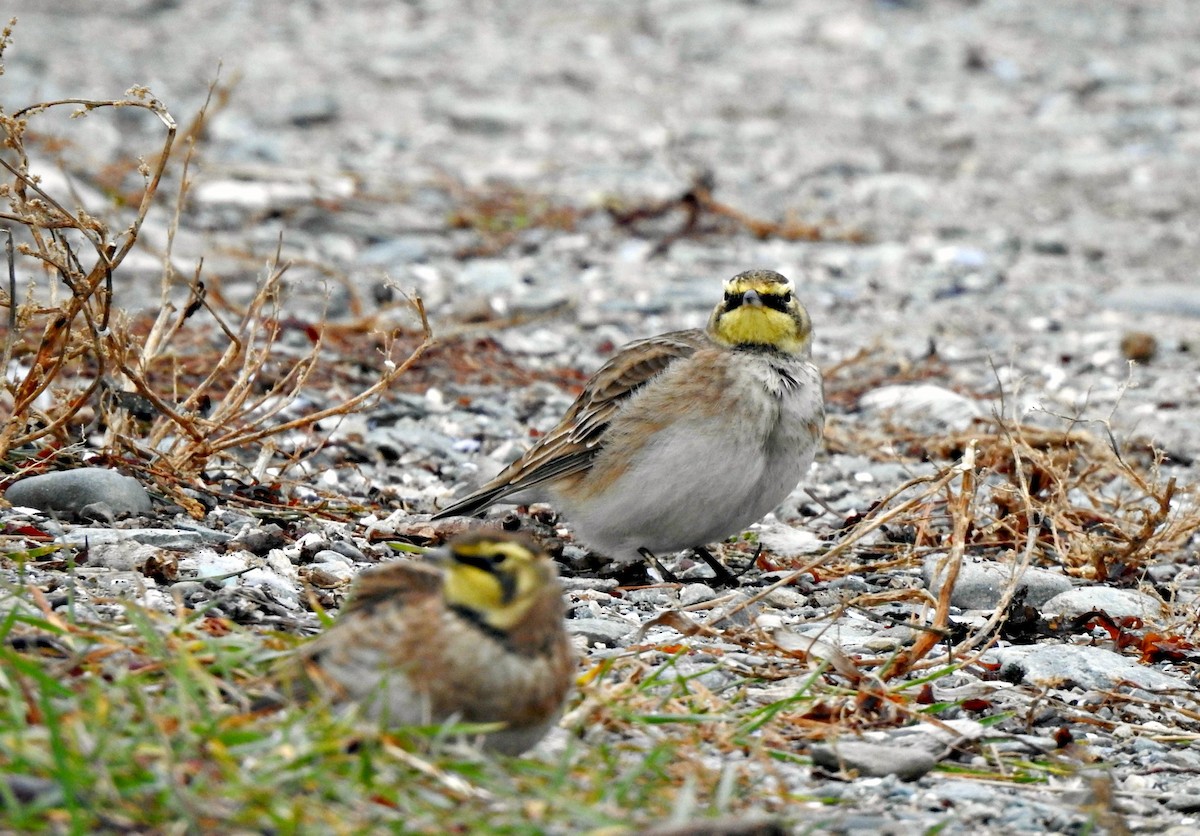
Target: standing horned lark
{"type": "Point", "coordinates": [686, 438]}
{"type": "Point", "coordinates": [479, 640]}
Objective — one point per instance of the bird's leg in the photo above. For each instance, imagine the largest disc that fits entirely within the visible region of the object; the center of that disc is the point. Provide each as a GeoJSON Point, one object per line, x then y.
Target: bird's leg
{"type": "Point", "coordinates": [723, 576]}
{"type": "Point", "coordinates": [653, 560]}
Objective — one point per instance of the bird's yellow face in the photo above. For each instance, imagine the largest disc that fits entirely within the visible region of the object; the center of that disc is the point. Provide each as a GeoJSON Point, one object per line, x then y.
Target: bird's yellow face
{"type": "Point", "coordinates": [761, 309]}
{"type": "Point", "coordinates": [495, 579]}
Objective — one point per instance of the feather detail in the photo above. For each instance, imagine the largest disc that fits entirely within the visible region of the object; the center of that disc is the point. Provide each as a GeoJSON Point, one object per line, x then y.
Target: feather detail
{"type": "Point", "coordinates": [571, 446]}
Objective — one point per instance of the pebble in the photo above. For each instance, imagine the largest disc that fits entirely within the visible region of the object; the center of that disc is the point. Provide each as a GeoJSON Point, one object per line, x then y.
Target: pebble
{"type": "Point", "coordinates": [1094, 668]}
{"type": "Point", "coordinates": [28, 789]}
{"type": "Point", "coordinates": [923, 407]}
{"type": "Point", "coordinates": [872, 759]}
{"type": "Point", "coordinates": [695, 593]}
{"type": "Point", "coordinates": [329, 575]}
{"type": "Point", "coordinates": [603, 631]}
{"type": "Point", "coordinates": [980, 586]}
{"type": "Point", "coordinates": [400, 251]}
{"type": "Point", "coordinates": [70, 491]}
{"type": "Point", "coordinates": [121, 556]}
{"type": "Point", "coordinates": [786, 541]}
{"type": "Point", "coordinates": [1117, 603]}
{"type": "Point", "coordinates": [1176, 299]}
{"type": "Point", "coordinates": [163, 538]}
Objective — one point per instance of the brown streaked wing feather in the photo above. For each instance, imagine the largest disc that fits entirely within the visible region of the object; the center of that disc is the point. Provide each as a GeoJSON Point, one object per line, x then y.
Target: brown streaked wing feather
{"type": "Point", "coordinates": [635, 366]}
{"type": "Point", "coordinates": [571, 446]}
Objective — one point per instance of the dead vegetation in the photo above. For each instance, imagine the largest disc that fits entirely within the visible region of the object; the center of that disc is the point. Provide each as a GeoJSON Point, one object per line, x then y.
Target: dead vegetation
{"type": "Point", "coordinates": [199, 385]}
{"type": "Point", "coordinates": [498, 216]}
{"type": "Point", "coordinates": [1017, 495]}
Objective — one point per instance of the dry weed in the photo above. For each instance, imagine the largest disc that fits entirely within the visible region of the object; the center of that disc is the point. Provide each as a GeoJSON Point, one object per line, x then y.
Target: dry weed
{"type": "Point", "coordinates": [202, 384]}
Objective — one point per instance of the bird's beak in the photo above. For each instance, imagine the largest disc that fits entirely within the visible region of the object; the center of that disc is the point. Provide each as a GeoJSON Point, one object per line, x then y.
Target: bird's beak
{"type": "Point", "coordinates": [750, 297]}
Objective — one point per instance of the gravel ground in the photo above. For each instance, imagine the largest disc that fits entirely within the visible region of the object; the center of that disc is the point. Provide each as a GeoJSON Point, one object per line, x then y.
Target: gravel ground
{"type": "Point", "coordinates": [1008, 195]}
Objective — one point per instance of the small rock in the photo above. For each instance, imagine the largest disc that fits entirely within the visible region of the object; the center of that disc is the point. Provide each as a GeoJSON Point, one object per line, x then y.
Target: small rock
{"type": "Point", "coordinates": [486, 117]}
{"type": "Point", "coordinates": [313, 110]}
{"type": "Point", "coordinates": [736, 612]}
{"type": "Point", "coordinates": [27, 789]}
{"type": "Point", "coordinates": [125, 557]}
{"type": "Point", "coordinates": [739, 826]}
{"type": "Point", "coordinates": [599, 630]}
{"type": "Point", "coordinates": [328, 575]}
{"type": "Point", "coordinates": [542, 342]}
{"type": "Point", "coordinates": [786, 541]}
{"type": "Point", "coordinates": [695, 593]}
{"type": "Point", "coordinates": [924, 405]}
{"type": "Point", "coordinates": [980, 586]}
{"type": "Point", "coordinates": [873, 759]}
{"type": "Point", "coordinates": [487, 276]}
{"type": "Point", "coordinates": [395, 253]}
{"type": "Point", "coordinates": [163, 538]}
{"type": "Point", "coordinates": [260, 540]}
{"type": "Point", "coordinates": [1177, 299]}
{"type": "Point", "coordinates": [70, 491]}
{"type": "Point", "coordinates": [1118, 603]}
{"type": "Point", "coordinates": [330, 556]}
{"type": "Point", "coordinates": [348, 551]}
{"type": "Point", "coordinates": [1049, 243]}
{"type": "Point", "coordinates": [1092, 668]}
{"type": "Point", "coordinates": [572, 584]}
{"type": "Point", "coordinates": [1139, 346]}
{"type": "Point", "coordinates": [1185, 797]}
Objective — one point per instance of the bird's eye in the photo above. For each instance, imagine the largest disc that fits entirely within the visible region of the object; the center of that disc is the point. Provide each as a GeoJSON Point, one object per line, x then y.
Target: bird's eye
{"type": "Point", "coordinates": [497, 559]}
{"type": "Point", "coordinates": [732, 300]}
{"type": "Point", "coordinates": [777, 302]}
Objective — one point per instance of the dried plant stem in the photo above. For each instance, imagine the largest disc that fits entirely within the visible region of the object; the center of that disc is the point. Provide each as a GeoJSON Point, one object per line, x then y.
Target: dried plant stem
{"type": "Point", "coordinates": [42, 216]}
{"type": "Point", "coordinates": [864, 527]}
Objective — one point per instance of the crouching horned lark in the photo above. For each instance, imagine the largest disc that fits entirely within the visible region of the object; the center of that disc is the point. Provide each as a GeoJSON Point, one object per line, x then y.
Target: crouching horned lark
{"type": "Point", "coordinates": [478, 640]}
{"type": "Point", "coordinates": [686, 438]}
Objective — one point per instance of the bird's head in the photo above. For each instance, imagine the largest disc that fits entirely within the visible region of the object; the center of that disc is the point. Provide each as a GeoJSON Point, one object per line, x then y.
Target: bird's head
{"type": "Point", "coordinates": [760, 309]}
{"type": "Point", "coordinates": [495, 577]}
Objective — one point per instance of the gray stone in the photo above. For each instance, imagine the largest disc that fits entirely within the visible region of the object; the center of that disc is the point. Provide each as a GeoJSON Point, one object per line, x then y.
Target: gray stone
{"type": "Point", "coordinates": [786, 541]}
{"type": "Point", "coordinates": [69, 491]}
{"type": "Point", "coordinates": [396, 252]}
{"type": "Point", "coordinates": [695, 593]}
{"type": "Point", "coordinates": [599, 630]}
{"type": "Point", "coordinates": [873, 759]}
{"type": "Point", "coordinates": [164, 538]}
{"type": "Point", "coordinates": [1094, 668]}
{"type": "Point", "coordinates": [1118, 603]}
{"type": "Point", "coordinates": [923, 405]}
{"type": "Point", "coordinates": [28, 789]}
{"type": "Point", "coordinates": [1179, 299]}
{"type": "Point", "coordinates": [311, 109]}
{"type": "Point", "coordinates": [127, 556]}
{"type": "Point", "coordinates": [980, 586]}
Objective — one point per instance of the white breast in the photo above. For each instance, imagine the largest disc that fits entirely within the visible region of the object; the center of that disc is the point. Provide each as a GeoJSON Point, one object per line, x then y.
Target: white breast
{"type": "Point", "coordinates": [703, 479]}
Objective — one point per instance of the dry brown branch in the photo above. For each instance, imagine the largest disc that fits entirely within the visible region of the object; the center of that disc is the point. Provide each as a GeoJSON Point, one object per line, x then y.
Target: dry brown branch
{"type": "Point", "coordinates": [72, 329]}
{"type": "Point", "coordinates": [961, 505]}
{"type": "Point", "coordinates": [87, 363]}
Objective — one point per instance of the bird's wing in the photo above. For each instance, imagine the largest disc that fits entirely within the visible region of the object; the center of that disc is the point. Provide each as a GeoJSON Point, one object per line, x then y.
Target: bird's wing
{"type": "Point", "coordinates": [571, 446]}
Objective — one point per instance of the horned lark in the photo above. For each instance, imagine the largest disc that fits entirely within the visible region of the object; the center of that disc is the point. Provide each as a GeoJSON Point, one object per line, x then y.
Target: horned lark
{"type": "Point", "coordinates": [479, 639]}
{"type": "Point", "coordinates": [683, 439]}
